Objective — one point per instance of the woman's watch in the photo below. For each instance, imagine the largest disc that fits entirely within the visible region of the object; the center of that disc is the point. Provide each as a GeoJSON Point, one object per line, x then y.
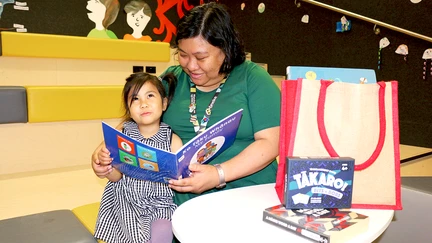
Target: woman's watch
{"type": "Point", "coordinates": [221, 174]}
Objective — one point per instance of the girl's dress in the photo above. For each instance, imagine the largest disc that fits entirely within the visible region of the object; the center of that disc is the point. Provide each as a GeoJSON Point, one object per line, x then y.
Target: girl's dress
{"type": "Point", "coordinates": [129, 206]}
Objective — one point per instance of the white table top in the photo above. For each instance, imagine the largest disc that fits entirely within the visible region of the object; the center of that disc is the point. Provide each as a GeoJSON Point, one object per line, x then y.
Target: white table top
{"type": "Point", "coordinates": [236, 216]}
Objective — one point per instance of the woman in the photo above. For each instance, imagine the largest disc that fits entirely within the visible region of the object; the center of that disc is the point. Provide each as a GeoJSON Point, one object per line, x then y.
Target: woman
{"type": "Point", "coordinates": [214, 79]}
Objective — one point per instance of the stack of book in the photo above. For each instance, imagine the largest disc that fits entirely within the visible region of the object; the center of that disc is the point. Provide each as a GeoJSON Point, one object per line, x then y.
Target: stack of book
{"type": "Point", "coordinates": [319, 225]}
{"type": "Point", "coordinates": [318, 191]}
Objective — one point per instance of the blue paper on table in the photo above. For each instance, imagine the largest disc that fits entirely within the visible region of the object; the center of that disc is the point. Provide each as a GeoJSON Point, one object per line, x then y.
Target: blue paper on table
{"type": "Point", "coordinates": [347, 75]}
{"type": "Point", "coordinates": [145, 162]}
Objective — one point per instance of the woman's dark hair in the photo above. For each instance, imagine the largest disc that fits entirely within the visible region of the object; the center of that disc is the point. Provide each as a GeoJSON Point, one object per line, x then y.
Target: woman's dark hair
{"type": "Point", "coordinates": [135, 82]}
{"type": "Point", "coordinates": [213, 22]}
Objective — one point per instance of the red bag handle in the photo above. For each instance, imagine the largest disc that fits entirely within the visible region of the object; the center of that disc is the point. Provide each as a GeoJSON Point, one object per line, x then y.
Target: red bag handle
{"type": "Point", "coordinates": [323, 133]}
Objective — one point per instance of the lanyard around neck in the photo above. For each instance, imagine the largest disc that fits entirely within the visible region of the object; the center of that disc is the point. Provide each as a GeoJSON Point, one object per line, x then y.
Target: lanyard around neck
{"type": "Point", "coordinates": [199, 128]}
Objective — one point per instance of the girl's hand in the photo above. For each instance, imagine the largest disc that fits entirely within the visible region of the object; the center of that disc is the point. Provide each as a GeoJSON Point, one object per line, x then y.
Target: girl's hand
{"type": "Point", "coordinates": [101, 162]}
{"type": "Point", "coordinates": [101, 170]}
{"type": "Point", "coordinates": [203, 178]}
{"type": "Point", "coordinates": [104, 156]}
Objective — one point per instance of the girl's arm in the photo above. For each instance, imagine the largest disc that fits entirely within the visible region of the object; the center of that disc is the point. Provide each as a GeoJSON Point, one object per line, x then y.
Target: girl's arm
{"type": "Point", "coordinates": [114, 175]}
{"type": "Point", "coordinates": [101, 160]}
{"type": "Point", "coordinates": [176, 143]}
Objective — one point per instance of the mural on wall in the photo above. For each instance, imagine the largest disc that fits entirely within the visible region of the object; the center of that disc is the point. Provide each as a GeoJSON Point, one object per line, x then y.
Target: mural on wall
{"type": "Point", "coordinates": [103, 13]}
{"type": "Point", "coordinates": [109, 19]}
{"type": "Point", "coordinates": [4, 2]}
{"type": "Point", "coordinates": [138, 15]}
{"type": "Point", "coordinates": [165, 23]}
{"type": "Point", "coordinates": [16, 6]}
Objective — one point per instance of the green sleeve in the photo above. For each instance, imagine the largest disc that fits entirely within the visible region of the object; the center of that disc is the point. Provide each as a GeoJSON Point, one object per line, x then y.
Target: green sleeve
{"type": "Point", "coordinates": [264, 99]}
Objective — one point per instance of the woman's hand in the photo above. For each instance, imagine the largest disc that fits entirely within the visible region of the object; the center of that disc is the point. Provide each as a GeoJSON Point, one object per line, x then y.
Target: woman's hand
{"type": "Point", "coordinates": [253, 158]}
{"type": "Point", "coordinates": [203, 178]}
{"type": "Point", "coordinates": [101, 161]}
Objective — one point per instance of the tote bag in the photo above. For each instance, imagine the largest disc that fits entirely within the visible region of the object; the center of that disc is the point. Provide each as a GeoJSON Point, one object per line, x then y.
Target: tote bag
{"type": "Point", "coordinates": [326, 118]}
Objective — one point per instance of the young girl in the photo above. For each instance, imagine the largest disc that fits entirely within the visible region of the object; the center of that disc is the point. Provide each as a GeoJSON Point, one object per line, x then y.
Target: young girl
{"type": "Point", "coordinates": [133, 210]}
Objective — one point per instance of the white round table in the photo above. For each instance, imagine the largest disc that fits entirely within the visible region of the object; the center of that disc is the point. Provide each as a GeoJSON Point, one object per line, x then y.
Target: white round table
{"type": "Point", "coordinates": [236, 216]}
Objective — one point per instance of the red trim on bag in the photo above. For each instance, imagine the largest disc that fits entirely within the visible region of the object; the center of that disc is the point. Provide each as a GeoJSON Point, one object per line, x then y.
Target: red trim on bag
{"type": "Point", "coordinates": [395, 117]}
{"type": "Point", "coordinates": [396, 143]}
{"type": "Point", "coordinates": [294, 114]}
{"type": "Point", "coordinates": [289, 116]}
{"type": "Point", "coordinates": [291, 92]}
{"type": "Point", "coordinates": [323, 133]}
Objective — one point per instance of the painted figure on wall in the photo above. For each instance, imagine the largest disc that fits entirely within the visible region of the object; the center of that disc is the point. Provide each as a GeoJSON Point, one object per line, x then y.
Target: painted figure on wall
{"type": "Point", "coordinates": [138, 15]}
{"type": "Point", "coordinates": [4, 2]}
{"type": "Point", "coordinates": [103, 13]}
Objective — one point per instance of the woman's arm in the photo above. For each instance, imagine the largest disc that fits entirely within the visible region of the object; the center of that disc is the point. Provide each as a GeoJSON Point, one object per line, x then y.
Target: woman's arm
{"type": "Point", "coordinates": [253, 158]}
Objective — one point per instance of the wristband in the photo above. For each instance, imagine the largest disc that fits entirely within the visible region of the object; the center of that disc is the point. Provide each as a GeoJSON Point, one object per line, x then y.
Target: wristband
{"type": "Point", "coordinates": [221, 174]}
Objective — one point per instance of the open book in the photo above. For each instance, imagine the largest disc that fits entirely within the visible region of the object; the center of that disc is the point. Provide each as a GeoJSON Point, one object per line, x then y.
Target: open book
{"type": "Point", "coordinates": [145, 162]}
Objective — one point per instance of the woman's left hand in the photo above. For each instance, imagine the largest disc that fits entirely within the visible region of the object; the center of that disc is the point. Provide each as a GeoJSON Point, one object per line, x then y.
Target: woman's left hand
{"type": "Point", "coordinates": [203, 178]}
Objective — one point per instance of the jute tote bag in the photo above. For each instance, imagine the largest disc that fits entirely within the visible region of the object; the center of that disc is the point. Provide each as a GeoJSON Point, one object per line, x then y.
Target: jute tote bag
{"type": "Point", "coordinates": [326, 118]}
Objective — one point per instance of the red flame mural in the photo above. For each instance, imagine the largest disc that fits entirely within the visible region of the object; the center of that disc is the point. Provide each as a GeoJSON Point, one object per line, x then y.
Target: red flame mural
{"type": "Point", "coordinates": [165, 23]}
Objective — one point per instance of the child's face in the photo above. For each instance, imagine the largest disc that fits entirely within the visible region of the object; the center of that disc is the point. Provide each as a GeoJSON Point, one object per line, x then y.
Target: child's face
{"type": "Point", "coordinates": [147, 106]}
{"type": "Point", "coordinates": [137, 21]}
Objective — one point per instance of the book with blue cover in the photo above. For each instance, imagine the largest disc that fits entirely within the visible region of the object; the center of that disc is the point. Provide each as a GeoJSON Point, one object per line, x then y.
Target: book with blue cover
{"type": "Point", "coordinates": [145, 162]}
{"type": "Point", "coordinates": [319, 182]}
{"type": "Point", "coordinates": [347, 75]}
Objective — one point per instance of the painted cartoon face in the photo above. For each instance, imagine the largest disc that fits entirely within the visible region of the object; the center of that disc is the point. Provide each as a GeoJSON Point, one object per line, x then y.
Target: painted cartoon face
{"type": "Point", "coordinates": [97, 10]}
{"type": "Point", "coordinates": [147, 106]}
{"type": "Point", "coordinates": [201, 61]}
{"type": "Point", "coordinates": [137, 21]}
{"type": "Point", "coordinates": [427, 54]}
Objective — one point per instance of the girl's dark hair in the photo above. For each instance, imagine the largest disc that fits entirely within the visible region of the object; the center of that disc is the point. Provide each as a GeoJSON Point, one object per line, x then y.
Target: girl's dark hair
{"type": "Point", "coordinates": [135, 82]}
{"type": "Point", "coordinates": [213, 22]}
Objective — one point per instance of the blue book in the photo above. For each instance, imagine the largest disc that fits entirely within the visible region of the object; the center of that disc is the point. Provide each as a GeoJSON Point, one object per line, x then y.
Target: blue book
{"type": "Point", "coordinates": [348, 75]}
{"type": "Point", "coordinates": [319, 182]}
{"type": "Point", "coordinates": [145, 162]}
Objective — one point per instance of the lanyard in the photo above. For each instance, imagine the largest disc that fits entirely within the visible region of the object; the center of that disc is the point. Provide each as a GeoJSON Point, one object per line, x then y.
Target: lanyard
{"type": "Point", "coordinates": [199, 128]}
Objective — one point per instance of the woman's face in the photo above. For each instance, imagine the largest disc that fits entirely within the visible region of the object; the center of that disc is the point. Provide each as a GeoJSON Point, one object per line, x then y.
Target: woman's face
{"type": "Point", "coordinates": [97, 10]}
{"type": "Point", "coordinates": [201, 61]}
{"type": "Point", "coordinates": [137, 21]}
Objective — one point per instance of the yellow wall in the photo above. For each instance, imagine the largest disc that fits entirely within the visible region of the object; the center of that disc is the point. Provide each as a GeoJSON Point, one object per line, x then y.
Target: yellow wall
{"type": "Point", "coordinates": [50, 145]}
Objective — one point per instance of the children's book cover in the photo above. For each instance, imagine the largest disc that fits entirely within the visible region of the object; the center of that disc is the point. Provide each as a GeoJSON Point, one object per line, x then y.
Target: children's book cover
{"type": "Point", "coordinates": [319, 182]}
{"type": "Point", "coordinates": [347, 75]}
{"type": "Point", "coordinates": [319, 225]}
{"type": "Point", "coordinates": [145, 162]}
